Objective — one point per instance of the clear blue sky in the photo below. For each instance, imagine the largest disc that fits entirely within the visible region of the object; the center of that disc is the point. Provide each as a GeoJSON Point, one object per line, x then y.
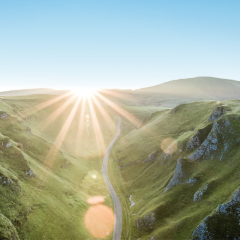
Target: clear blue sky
{"type": "Point", "coordinates": [116, 44]}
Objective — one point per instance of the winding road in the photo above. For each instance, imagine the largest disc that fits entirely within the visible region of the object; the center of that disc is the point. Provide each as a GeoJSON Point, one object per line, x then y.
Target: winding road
{"type": "Point", "coordinates": [117, 205]}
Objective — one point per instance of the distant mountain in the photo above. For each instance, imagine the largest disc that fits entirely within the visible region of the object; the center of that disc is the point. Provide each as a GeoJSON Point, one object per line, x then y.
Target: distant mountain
{"type": "Point", "coordinates": [33, 91]}
{"type": "Point", "coordinates": [188, 90]}
{"type": "Point", "coordinates": [168, 94]}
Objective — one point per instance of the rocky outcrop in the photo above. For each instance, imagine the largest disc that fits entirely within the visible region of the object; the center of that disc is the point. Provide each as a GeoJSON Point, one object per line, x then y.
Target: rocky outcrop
{"type": "Point", "coordinates": [224, 223]}
{"type": "Point", "coordinates": [9, 144]}
{"type": "Point", "coordinates": [178, 176]}
{"type": "Point", "coordinates": [30, 173]}
{"type": "Point", "coordinates": [132, 202]}
{"type": "Point", "coordinates": [7, 230]}
{"type": "Point", "coordinates": [5, 142]}
{"type": "Point", "coordinates": [3, 115]}
{"type": "Point", "coordinates": [220, 138]}
{"type": "Point", "coordinates": [181, 174]}
{"type": "Point", "coordinates": [194, 142]}
{"type": "Point", "coordinates": [199, 137]}
{"type": "Point", "coordinates": [223, 208]}
{"type": "Point", "coordinates": [146, 223]}
{"type": "Point", "coordinates": [6, 181]}
{"type": "Point", "coordinates": [199, 194]}
{"type": "Point", "coordinates": [151, 157]}
{"type": "Point", "coordinates": [192, 181]}
{"type": "Point", "coordinates": [218, 111]}
{"type": "Point", "coordinates": [12, 183]}
{"type": "Point", "coordinates": [167, 156]}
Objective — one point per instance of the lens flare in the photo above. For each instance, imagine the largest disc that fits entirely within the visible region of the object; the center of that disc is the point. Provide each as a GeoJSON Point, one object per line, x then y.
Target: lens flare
{"type": "Point", "coordinates": [96, 200]}
{"type": "Point", "coordinates": [169, 145]}
{"type": "Point", "coordinates": [99, 221]}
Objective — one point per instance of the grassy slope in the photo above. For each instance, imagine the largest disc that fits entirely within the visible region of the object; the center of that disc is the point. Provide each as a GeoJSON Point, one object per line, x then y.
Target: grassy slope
{"type": "Point", "coordinates": [52, 205]}
{"type": "Point", "coordinates": [142, 114]}
{"type": "Point", "coordinates": [58, 196]}
{"type": "Point", "coordinates": [177, 215]}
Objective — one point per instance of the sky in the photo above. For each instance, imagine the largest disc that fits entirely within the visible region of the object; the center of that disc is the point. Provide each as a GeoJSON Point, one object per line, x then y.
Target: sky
{"type": "Point", "coordinates": [116, 44]}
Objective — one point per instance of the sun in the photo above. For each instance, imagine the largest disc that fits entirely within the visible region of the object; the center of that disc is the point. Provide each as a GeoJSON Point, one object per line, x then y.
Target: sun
{"type": "Point", "coordinates": [84, 92]}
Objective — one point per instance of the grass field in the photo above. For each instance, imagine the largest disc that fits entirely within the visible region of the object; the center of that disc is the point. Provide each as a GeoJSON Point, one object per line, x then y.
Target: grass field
{"type": "Point", "coordinates": [52, 167]}
{"type": "Point", "coordinates": [52, 202]}
{"type": "Point", "coordinates": [51, 151]}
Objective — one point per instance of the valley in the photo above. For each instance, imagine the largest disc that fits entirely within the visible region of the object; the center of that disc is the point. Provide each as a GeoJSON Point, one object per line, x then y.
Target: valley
{"type": "Point", "coordinates": [174, 166]}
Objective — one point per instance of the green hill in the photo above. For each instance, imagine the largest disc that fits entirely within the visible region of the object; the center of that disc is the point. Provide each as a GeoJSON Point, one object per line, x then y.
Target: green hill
{"type": "Point", "coordinates": [51, 151]}
{"type": "Point", "coordinates": [48, 172]}
{"type": "Point", "coordinates": [25, 92]}
{"type": "Point", "coordinates": [172, 93]}
{"type": "Point", "coordinates": [178, 168]}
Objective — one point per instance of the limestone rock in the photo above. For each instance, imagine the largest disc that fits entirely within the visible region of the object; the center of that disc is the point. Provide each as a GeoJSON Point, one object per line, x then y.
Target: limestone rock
{"type": "Point", "coordinates": [192, 181]}
{"type": "Point", "coordinates": [217, 142]}
{"type": "Point", "coordinates": [7, 181]}
{"type": "Point", "coordinates": [151, 157]}
{"type": "Point", "coordinates": [31, 173]}
{"type": "Point", "coordinates": [167, 156]}
{"type": "Point", "coordinates": [9, 144]}
{"type": "Point", "coordinates": [131, 201]}
{"type": "Point", "coordinates": [236, 196]}
{"type": "Point", "coordinates": [199, 137]}
{"type": "Point", "coordinates": [178, 175]}
{"type": "Point", "coordinates": [218, 111]}
{"type": "Point", "coordinates": [201, 232]}
{"type": "Point", "coordinates": [224, 223]}
{"type": "Point", "coordinates": [194, 142]}
{"type": "Point", "coordinates": [3, 115]}
{"type": "Point", "coordinates": [199, 194]}
{"type": "Point", "coordinates": [222, 208]}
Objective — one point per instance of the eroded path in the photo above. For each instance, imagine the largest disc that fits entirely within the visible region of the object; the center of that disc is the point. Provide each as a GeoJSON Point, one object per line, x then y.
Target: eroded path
{"type": "Point", "coordinates": [117, 205]}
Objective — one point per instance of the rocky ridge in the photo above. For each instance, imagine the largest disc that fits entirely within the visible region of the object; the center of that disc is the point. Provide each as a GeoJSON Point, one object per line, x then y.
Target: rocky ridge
{"type": "Point", "coordinates": [178, 175]}
{"type": "Point", "coordinates": [224, 223]}
{"type": "Point", "coordinates": [218, 141]}
{"type": "Point", "coordinates": [199, 194]}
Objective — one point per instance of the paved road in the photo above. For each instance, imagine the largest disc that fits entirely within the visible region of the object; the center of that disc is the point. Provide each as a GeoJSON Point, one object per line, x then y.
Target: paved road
{"type": "Point", "coordinates": [117, 205]}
